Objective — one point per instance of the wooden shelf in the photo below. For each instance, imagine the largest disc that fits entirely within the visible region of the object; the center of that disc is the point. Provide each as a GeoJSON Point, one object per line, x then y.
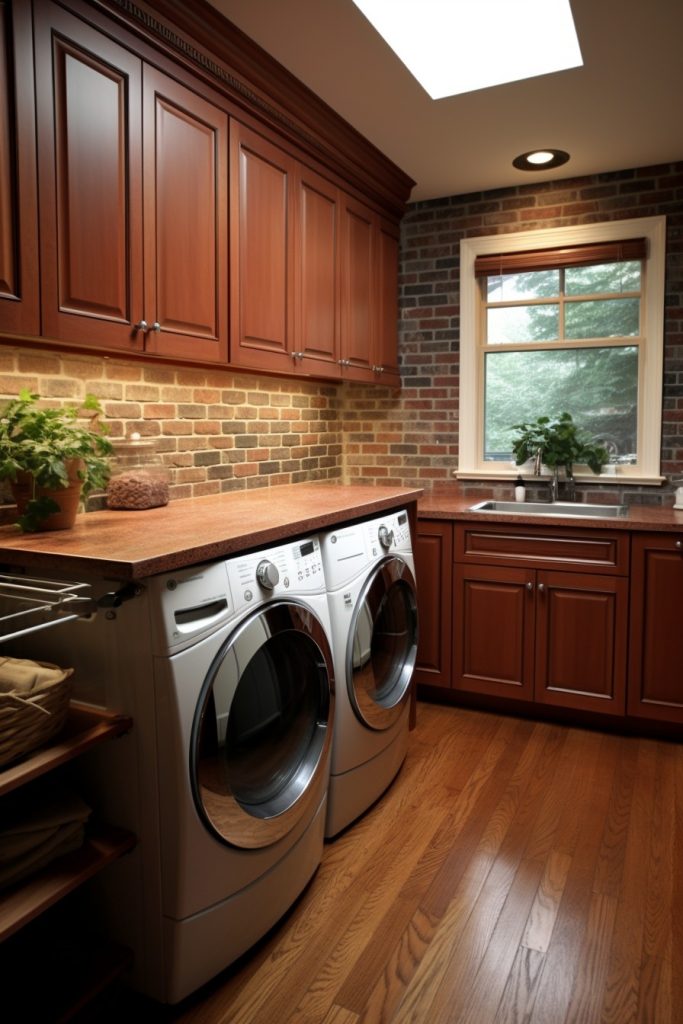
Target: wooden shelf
{"type": "Point", "coordinates": [22, 903]}
{"type": "Point", "coordinates": [86, 726]}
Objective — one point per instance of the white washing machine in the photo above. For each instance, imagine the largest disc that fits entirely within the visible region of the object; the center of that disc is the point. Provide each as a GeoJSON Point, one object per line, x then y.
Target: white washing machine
{"type": "Point", "coordinates": [369, 572]}
{"type": "Point", "coordinates": [226, 669]}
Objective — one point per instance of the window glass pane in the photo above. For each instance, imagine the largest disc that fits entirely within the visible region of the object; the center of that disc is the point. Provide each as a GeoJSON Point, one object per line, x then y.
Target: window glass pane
{"type": "Point", "coordinates": [602, 318]}
{"type": "Point", "coordinates": [603, 277]}
{"type": "Point", "coordinates": [506, 324]}
{"type": "Point", "coordinates": [537, 284]}
{"type": "Point", "coordinates": [598, 386]}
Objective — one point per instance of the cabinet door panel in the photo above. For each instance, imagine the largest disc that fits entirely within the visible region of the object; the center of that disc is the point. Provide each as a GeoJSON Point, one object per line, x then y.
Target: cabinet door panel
{"type": "Point", "coordinates": [493, 611]}
{"type": "Point", "coordinates": [581, 641]}
{"type": "Point", "coordinates": [656, 651]}
{"type": "Point", "coordinates": [358, 323]}
{"type": "Point", "coordinates": [434, 570]}
{"type": "Point", "coordinates": [19, 300]}
{"type": "Point", "coordinates": [261, 252]}
{"type": "Point", "coordinates": [386, 356]}
{"type": "Point", "coordinates": [317, 330]}
{"type": "Point", "coordinates": [88, 96]}
{"type": "Point", "coordinates": [185, 180]}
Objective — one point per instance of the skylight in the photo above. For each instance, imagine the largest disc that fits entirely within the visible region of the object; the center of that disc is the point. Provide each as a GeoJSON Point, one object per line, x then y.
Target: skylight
{"type": "Point", "coordinates": [456, 46]}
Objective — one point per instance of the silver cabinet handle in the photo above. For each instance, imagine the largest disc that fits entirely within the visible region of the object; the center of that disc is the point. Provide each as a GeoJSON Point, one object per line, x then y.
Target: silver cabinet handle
{"type": "Point", "coordinates": [156, 326]}
{"type": "Point", "coordinates": [679, 544]}
{"type": "Point", "coordinates": [344, 362]}
{"type": "Point", "coordinates": [529, 586]}
{"type": "Point", "coordinates": [142, 326]}
{"type": "Point", "coordinates": [541, 587]}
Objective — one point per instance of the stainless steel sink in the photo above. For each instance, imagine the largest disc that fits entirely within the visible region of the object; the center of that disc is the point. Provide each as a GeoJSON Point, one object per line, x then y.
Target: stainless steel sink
{"type": "Point", "coordinates": [556, 508]}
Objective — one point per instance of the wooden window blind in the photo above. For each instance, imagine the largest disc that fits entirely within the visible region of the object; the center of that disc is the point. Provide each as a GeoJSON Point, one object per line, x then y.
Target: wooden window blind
{"type": "Point", "coordinates": [566, 256]}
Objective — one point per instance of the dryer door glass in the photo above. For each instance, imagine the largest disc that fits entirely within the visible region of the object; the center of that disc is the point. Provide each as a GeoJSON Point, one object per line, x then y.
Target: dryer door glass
{"type": "Point", "coordinates": [262, 729]}
{"type": "Point", "coordinates": [382, 645]}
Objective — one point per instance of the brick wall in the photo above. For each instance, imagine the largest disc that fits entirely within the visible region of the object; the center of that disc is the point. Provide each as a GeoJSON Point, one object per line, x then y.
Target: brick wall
{"type": "Point", "coordinates": [219, 430]}
{"type": "Point", "coordinates": [215, 430]}
{"type": "Point", "coordinates": [412, 438]}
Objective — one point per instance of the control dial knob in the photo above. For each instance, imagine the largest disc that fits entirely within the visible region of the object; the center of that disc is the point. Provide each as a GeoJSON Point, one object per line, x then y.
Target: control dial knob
{"type": "Point", "coordinates": [267, 574]}
{"type": "Point", "coordinates": [386, 537]}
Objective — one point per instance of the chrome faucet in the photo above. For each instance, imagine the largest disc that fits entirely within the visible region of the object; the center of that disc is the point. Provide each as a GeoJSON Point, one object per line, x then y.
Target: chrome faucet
{"type": "Point", "coordinates": [553, 482]}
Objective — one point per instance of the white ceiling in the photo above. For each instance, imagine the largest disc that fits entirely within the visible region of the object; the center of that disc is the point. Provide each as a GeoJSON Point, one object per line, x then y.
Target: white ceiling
{"type": "Point", "coordinates": [622, 109]}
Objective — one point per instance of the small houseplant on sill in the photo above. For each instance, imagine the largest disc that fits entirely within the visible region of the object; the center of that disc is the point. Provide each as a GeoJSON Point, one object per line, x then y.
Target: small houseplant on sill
{"type": "Point", "coordinates": [558, 442]}
{"type": "Point", "coordinates": [51, 458]}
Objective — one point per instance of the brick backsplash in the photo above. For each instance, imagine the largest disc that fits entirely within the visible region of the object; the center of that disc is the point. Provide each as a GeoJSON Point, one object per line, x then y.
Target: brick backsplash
{"type": "Point", "coordinates": [219, 430]}
{"type": "Point", "coordinates": [215, 430]}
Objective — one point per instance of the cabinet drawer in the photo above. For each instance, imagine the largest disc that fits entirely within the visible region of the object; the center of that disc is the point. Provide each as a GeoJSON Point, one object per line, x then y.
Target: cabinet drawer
{"type": "Point", "coordinates": [600, 550]}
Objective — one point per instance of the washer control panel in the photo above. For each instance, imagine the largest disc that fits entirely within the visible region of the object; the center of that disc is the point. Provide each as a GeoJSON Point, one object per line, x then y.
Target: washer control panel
{"type": "Point", "coordinates": [263, 575]}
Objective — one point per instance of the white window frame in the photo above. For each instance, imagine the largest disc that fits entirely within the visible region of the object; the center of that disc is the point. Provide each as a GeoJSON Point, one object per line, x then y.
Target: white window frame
{"type": "Point", "coordinates": [651, 362]}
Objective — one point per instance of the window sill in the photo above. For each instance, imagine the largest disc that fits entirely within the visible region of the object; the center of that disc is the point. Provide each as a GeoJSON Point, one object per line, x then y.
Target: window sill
{"type": "Point", "coordinates": [620, 478]}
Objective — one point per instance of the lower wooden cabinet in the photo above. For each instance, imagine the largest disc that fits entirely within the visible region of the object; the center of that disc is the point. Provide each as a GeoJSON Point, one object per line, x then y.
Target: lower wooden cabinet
{"type": "Point", "coordinates": [556, 638]}
{"type": "Point", "coordinates": [434, 572]}
{"type": "Point", "coordinates": [655, 682]}
{"type": "Point", "coordinates": [530, 614]}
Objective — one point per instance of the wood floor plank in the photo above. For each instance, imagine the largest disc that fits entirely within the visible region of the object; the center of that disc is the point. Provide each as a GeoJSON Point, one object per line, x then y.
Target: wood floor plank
{"type": "Point", "coordinates": [610, 866]}
{"type": "Point", "coordinates": [622, 984]}
{"type": "Point", "coordinates": [580, 836]}
{"type": "Point", "coordinates": [518, 997]}
{"type": "Point", "coordinates": [589, 979]}
{"type": "Point", "coordinates": [541, 920]}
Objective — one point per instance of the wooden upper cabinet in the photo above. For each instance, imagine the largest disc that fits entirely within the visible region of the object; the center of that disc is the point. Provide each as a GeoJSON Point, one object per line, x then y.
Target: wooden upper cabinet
{"type": "Point", "coordinates": [655, 682]}
{"type": "Point", "coordinates": [115, 273]}
{"type": "Point", "coordinates": [386, 352]}
{"type": "Point", "coordinates": [261, 251]}
{"type": "Point", "coordinates": [19, 299]}
{"type": "Point", "coordinates": [358, 294]}
{"type": "Point", "coordinates": [185, 164]}
{"type": "Point", "coordinates": [284, 265]}
{"type": "Point", "coordinates": [317, 275]}
{"type": "Point", "coordinates": [89, 135]}
{"type": "Point", "coordinates": [369, 331]}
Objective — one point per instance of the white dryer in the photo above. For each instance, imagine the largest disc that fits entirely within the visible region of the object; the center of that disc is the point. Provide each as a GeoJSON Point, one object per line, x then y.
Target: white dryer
{"type": "Point", "coordinates": [369, 573]}
{"type": "Point", "coordinates": [226, 669]}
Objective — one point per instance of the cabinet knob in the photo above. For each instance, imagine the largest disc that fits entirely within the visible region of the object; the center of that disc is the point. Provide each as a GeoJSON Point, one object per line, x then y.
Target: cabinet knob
{"type": "Point", "coordinates": [529, 586]}
{"type": "Point", "coordinates": [679, 544]}
{"type": "Point", "coordinates": [141, 326]}
{"type": "Point", "coordinates": [156, 326]}
{"type": "Point", "coordinates": [541, 587]}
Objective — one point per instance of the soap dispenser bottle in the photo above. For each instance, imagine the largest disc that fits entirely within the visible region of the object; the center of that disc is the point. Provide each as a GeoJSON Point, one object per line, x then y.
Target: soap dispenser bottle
{"type": "Point", "coordinates": [520, 491]}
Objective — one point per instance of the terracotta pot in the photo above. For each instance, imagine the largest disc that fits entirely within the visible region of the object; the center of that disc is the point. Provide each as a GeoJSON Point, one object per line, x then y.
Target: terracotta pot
{"type": "Point", "coordinates": [68, 498]}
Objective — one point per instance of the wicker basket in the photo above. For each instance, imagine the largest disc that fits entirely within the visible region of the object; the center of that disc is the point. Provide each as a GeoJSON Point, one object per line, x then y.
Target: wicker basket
{"type": "Point", "coordinates": [31, 716]}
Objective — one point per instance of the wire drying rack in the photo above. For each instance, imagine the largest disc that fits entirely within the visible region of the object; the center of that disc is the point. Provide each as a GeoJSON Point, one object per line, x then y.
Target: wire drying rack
{"type": "Point", "coordinates": [28, 604]}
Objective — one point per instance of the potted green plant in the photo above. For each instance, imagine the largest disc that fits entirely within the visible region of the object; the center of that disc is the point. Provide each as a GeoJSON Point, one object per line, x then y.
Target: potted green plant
{"type": "Point", "coordinates": [557, 442]}
{"type": "Point", "coordinates": [52, 457]}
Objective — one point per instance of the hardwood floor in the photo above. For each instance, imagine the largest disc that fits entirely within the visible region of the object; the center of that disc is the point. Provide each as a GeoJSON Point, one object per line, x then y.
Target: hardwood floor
{"type": "Point", "coordinates": [515, 872]}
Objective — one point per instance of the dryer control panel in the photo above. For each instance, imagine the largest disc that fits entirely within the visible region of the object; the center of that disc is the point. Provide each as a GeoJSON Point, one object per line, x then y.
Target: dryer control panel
{"type": "Point", "coordinates": [388, 534]}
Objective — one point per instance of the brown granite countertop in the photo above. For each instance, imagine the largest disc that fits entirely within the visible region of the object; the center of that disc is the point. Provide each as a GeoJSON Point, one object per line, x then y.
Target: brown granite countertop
{"type": "Point", "coordinates": [133, 545]}
{"type": "Point", "coordinates": [449, 502]}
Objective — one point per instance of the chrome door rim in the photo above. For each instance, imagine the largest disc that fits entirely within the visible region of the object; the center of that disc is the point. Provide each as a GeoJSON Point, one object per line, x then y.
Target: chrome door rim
{"type": "Point", "coordinates": [247, 825]}
{"type": "Point", "coordinates": [391, 571]}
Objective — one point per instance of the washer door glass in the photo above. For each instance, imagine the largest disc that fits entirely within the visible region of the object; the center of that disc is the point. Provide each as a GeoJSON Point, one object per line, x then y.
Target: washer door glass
{"type": "Point", "coordinates": [262, 729]}
{"type": "Point", "coordinates": [382, 645]}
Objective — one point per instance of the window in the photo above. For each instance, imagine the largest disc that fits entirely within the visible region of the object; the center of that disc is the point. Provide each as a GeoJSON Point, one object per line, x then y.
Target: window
{"type": "Point", "coordinates": [561, 320]}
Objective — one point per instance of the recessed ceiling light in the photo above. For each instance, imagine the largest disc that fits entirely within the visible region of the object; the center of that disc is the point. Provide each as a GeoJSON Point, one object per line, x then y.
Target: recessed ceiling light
{"type": "Point", "coordinates": [540, 160]}
{"type": "Point", "coordinates": [456, 46]}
